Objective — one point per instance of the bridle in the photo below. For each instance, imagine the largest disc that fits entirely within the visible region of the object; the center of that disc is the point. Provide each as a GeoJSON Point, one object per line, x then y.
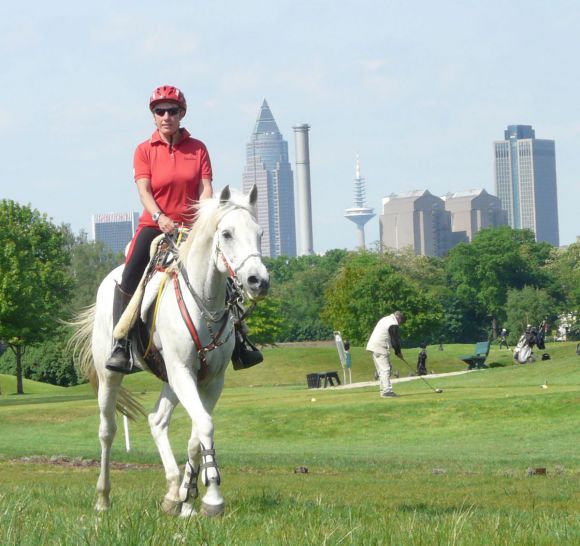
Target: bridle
{"type": "Point", "coordinates": [231, 269]}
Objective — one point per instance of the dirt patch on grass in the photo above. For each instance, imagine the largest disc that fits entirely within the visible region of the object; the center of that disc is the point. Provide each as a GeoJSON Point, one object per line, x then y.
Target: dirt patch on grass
{"type": "Point", "coordinates": [78, 462]}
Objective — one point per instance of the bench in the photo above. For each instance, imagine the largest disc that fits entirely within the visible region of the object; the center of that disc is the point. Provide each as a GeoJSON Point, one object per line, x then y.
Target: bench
{"type": "Point", "coordinates": [477, 360]}
{"type": "Point", "coordinates": [314, 379]}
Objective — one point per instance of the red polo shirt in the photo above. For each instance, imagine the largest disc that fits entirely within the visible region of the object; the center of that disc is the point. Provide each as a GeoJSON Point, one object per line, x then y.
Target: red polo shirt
{"type": "Point", "coordinates": [175, 173]}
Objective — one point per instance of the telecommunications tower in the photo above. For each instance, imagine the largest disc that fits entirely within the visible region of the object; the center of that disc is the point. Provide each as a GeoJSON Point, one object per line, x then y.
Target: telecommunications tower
{"type": "Point", "coordinates": [360, 214]}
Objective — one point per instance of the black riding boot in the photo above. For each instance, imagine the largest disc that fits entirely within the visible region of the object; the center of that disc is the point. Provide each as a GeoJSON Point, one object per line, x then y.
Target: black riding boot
{"type": "Point", "coordinates": [245, 353]}
{"type": "Point", "coordinates": [120, 360]}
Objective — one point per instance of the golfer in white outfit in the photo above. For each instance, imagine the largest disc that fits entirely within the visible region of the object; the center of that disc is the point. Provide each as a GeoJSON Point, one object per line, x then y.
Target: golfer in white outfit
{"type": "Point", "coordinates": [384, 337]}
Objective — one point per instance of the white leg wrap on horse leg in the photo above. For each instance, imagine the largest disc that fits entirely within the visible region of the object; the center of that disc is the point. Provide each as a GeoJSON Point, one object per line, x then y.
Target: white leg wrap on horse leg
{"type": "Point", "coordinates": [212, 503]}
{"type": "Point", "coordinates": [188, 490]}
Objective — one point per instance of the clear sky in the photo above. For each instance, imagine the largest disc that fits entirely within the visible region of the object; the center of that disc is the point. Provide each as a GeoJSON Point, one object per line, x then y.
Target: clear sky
{"type": "Point", "coordinates": [419, 89]}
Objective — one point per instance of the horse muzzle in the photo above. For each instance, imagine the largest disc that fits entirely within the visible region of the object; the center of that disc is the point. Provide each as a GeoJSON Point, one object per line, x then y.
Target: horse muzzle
{"type": "Point", "coordinates": [258, 285]}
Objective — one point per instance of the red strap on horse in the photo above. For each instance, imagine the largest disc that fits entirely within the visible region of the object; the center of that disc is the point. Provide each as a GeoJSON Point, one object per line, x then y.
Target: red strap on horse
{"type": "Point", "coordinates": [203, 369]}
{"type": "Point", "coordinates": [231, 272]}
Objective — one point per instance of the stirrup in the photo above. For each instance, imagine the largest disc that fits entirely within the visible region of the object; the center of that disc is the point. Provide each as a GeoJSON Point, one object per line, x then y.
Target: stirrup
{"type": "Point", "coordinates": [120, 359]}
{"type": "Point", "coordinates": [245, 354]}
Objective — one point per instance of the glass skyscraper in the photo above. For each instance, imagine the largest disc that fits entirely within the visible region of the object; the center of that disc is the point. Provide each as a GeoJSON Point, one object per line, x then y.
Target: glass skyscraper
{"type": "Point", "coordinates": [525, 182]}
{"type": "Point", "coordinates": [268, 167]}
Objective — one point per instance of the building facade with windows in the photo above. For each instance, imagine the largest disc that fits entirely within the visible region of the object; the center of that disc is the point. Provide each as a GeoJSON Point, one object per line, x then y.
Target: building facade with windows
{"type": "Point", "coordinates": [525, 182]}
{"type": "Point", "coordinates": [115, 229]}
{"type": "Point", "coordinates": [268, 167]}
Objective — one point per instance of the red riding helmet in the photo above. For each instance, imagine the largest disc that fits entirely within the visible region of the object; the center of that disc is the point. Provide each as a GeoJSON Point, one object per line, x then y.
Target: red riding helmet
{"type": "Point", "coordinates": [167, 93]}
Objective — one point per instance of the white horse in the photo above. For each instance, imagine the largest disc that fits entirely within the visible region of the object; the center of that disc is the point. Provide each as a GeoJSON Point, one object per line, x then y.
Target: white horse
{"type": "Point", "coordinates": [224, 241]}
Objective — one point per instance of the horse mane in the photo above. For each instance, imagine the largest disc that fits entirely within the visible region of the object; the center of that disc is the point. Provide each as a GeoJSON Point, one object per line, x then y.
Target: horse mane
{"type": "Point", "coordinates": [208, 214]}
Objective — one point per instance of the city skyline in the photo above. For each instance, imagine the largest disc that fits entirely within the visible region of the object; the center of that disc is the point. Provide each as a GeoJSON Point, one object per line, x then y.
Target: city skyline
{"type": "Point", "coordinates": [86, 106]}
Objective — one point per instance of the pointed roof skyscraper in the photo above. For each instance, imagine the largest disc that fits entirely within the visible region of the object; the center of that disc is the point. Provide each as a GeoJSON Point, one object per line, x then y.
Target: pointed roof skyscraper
{"type": "Point", "coordinates": [266, 124]}
{"type": "Point", "coordinates": [268, 167]}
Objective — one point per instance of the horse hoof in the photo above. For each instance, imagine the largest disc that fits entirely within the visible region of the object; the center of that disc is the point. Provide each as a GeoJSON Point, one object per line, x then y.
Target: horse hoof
{"type": "Point", "coordinates": [212, 510]}
{"type": "Point", "coordinates": [102, 505]}
{"type": "Point", "coordinates": [187, 511]}
{"type": "Point", "coordinates": [171, 507]}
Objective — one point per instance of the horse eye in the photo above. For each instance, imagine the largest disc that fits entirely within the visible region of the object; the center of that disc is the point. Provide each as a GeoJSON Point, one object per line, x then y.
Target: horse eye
{"type": "Point", "coordinates": [226, 234]}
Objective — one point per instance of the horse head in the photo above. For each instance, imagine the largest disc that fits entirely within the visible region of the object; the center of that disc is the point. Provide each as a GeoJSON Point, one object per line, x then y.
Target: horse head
{"type": "Point", "coordinates": [238, 242]}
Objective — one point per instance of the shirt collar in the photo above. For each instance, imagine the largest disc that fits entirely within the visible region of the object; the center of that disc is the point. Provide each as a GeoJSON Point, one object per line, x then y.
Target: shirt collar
{"type": "Point", "coordinates": [156, 138]}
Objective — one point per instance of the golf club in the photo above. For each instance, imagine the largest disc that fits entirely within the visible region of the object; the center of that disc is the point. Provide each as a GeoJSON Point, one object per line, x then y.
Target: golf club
{"type": "Point", "coordinates": [438, 391]}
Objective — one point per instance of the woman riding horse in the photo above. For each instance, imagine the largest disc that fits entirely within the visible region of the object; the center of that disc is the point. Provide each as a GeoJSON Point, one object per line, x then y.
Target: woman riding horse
{"type": "Point", "coordinates": [172, 170]}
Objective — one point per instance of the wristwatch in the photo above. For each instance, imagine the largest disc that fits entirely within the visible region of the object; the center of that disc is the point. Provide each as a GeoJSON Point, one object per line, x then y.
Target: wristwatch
{"type": "Point", "coordinates": [156, 216]}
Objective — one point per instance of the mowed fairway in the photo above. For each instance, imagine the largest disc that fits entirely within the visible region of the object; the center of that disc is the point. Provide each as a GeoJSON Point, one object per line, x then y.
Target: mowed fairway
{"type": "Point", "coordinates": [424, 468]}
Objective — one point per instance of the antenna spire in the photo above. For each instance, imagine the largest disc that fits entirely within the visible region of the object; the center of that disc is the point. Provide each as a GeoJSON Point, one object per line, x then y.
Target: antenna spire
{"type": "Point", "coordinates": [359, 213]}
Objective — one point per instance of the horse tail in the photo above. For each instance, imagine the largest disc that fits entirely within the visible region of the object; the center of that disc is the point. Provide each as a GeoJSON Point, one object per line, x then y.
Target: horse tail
{"type": "Point", "coordinates": [128, 405]}
{"type": "Point", "coordinates": [80, 346]}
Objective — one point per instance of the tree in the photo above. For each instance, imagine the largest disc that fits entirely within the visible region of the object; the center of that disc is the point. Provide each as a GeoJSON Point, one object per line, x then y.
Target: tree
{"type": "Point", "coordinates": [528, 306]}
{"type": "Point", "coordinates": [265, 322]}
{"type": "Point", "coordinates": [496, 260]}
{"type": "Point", "coordinates": [565, 266]}
{"type": "Point", "coordinates": [299, 285]}
{"type": "Point", "coordinates": [367, 288]}
{"type": "Point", "coordinates": [49, 361]}
{"type": "Point", "coordinates": [34, 278]}
{"type": "Point", "coordinates": [91, 262]}
{"type": "Point", "coordinates": [461, 324]}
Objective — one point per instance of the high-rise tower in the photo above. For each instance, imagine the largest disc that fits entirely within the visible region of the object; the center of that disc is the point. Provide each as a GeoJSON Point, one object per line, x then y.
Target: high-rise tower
{"type": "Point", "coordinates": [115, 229]}
{"type": "Point", "coordinates": [360, 214]}
{"type": "Point", "coordinates": [268, 167]}
{"type": "Point", "coordinates": [525, 182]}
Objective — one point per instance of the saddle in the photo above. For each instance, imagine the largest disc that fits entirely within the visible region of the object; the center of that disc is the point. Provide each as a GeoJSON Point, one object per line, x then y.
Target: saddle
{"type": "Point", "coordinates": [131, 325]}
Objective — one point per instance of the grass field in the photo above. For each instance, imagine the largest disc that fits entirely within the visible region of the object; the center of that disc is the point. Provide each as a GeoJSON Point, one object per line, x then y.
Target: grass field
{"type": "Point", "coordinates": [424, 468]}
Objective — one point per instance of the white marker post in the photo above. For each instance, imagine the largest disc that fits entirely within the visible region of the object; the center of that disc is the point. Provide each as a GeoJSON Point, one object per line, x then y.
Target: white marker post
{"type": "Point", "coordinates": [342, 356]}
{"type": "Point", "coordinates": [126, 429]}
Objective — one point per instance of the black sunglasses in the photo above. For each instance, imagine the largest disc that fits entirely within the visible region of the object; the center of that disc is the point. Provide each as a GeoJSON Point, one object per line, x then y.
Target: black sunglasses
{"type": "Point", "coordinates": [162, 111]}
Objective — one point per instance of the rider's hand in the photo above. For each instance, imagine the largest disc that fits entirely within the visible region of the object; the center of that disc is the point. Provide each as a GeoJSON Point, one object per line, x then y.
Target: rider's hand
{"type": "Point", "coordinates": [166, 224]}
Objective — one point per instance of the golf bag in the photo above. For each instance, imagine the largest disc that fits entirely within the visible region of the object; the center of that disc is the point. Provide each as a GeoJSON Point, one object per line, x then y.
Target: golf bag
{"type": "Point", "coordinates": [523, 350]}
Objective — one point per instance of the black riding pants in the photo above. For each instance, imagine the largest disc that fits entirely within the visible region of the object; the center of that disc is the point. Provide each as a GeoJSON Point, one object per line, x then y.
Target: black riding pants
{"type": "Point", "coordinates": [137, 258]}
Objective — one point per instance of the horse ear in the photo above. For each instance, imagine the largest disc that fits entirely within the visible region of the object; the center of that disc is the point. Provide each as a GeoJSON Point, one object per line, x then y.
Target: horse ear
{"type": "Point", "coordinates": [254, 195]}
{"type": "Point", "coordinates": [225, 195]}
